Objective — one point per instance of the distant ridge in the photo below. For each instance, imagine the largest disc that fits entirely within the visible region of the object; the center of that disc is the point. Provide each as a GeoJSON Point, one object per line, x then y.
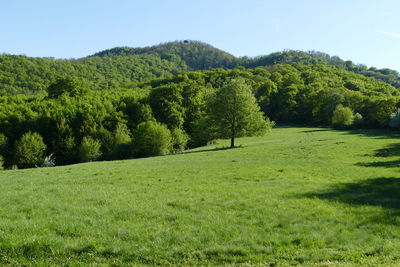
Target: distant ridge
{"type": "Point", "coordinates": [197, 55]}
{"type": "Point", "coordinates": [122, 66]}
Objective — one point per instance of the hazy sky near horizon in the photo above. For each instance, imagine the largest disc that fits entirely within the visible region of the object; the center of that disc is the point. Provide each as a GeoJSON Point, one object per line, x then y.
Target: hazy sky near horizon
{"type": "Point", "coordinates": [364, 31]}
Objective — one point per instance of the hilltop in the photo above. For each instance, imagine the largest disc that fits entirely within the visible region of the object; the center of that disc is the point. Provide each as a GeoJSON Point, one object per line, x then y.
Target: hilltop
{"type": "Point", "coordinates": [122, 67]}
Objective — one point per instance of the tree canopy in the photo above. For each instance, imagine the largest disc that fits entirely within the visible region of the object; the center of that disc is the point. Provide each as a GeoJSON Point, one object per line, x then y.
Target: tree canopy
{"type": "Point", "coordinates": [233, 112]}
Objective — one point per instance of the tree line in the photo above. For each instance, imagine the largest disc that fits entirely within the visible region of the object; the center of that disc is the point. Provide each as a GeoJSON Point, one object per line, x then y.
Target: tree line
{"type": "Point", "coordinates": [74, 122]}
{"type": "Point", "coordinates": [124, 67]}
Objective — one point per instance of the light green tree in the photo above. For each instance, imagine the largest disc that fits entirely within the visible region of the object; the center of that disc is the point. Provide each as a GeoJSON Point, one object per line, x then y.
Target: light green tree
{"type": "Point", "coordinates": [151, 139]}
{"type": "Point", "coordinates": [89, 150]}
{"type": "Point", "coordinates": [233, 112]}
{"type": "Point", "coordinates": [30, 150]}
{"type": "Point", "coordinates": [342, 117]}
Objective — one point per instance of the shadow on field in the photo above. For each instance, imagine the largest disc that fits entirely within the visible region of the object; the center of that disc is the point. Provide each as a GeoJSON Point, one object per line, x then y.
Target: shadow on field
{"type": "Point", "coordinates": [313, 131]}
{"type": "Point", "coordinates": [388, 151]}
{"type": "Point", "coordinates": [375, 133]}
{"type": "Point", "coordinates": [210, 149]}
{"type": "Point", "coordinates": [382, 191]}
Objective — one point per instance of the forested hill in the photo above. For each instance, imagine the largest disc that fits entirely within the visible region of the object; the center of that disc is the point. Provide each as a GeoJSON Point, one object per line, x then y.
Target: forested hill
{"type": "Point", "coordinates": [201, 56]}
{"type": "Point", "coordinates": [28, 75]}
{"type": "Point", "coordinates": [197, 55]}
{"type": "Point", "coordinates": [122, 67]}
{"type": "Point", "coordinates": [389, 76]}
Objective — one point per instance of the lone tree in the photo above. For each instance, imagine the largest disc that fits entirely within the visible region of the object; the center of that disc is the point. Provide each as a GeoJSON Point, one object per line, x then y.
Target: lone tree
{"type": "Point", "coordinates": [233, 112]}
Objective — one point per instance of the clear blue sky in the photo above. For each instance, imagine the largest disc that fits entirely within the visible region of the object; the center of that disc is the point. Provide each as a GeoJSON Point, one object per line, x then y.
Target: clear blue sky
{"type": "Point", "coordinates": [364, 31]}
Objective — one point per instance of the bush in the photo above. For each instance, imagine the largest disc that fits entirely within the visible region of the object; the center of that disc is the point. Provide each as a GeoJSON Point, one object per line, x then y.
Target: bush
{"type": "Point", "coordinates": [394, 121]}
{"type": "Point", "coordinates": [30, 150]}
{"type": "Point", "coordinates": [342, 117]}
{"type": "Point", "coordinates": [151, 139]}
{"type": "Point", "coordinates": [1, 162]}
{"type": "Point", "coordinates": [89, 150]}
{"type": "Point", "coordinates": [179, 139]}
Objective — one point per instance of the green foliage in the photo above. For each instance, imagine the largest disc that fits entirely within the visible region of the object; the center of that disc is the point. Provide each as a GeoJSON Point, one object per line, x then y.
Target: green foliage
{"type": "Point", "coordinates": [66, 151]}
{"type": "Point", "coordinates": [389, 76]}
{"type": "Point", "coordinates": [122, 142]}
{"type": "Point", "coordinates": [67, 86]}
{"type": "Point", "coordinates": [89, 149]}
{"type": "Point", "coordinates": [1, 162]}
{"type": "Point", "coordinates": [342, 117]}
{"type": "Point", "coordinates": [28, 75]}
{"type": "Point", "coordinates": [166, 102]}
{"type": "Point", "coordinates": [233, 112]}
{"type": "Point", "coordinates": [358, 119]}
{"type": "Point", "coordinates": [30, 150]}
{"type": "Point", "coordinates": [3, 144]}
{"type": "Point", "coordinates": [179, 139]}
{"type": "Point", "coordinates": [151, 139]}
{"type": "Point", "coordinates": [123, 67]}
{"type": "Point", "coordinates": [196, 55]}
{"type": "Point", "coordinates": [298, 93]}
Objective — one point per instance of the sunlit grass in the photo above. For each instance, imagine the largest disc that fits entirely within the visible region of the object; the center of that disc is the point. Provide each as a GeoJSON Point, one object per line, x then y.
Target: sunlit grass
{"type": "Point", "coordinates": [306, 196]}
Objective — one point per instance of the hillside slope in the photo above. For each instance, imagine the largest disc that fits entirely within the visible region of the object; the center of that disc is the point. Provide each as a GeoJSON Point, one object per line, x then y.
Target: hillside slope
{"type": "Point", "coordinates": [197, 55]}
{"type": "Point", "coordinates": [124, 66]}
{"type": "Point", "coordinates": [300, 196]}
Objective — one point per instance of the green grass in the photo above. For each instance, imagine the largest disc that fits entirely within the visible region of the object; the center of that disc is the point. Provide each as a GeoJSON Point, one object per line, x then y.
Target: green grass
{"type": "Point", "coordinates": [306, 196]}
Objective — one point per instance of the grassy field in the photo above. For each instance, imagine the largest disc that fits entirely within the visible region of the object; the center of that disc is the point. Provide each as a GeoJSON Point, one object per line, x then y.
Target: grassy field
{"type": "Point", "coordinates": [306, 196]}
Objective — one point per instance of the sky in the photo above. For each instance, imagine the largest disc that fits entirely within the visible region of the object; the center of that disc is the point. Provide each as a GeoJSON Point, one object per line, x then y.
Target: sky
{"type": "Point", "coordinates": [364, 31]}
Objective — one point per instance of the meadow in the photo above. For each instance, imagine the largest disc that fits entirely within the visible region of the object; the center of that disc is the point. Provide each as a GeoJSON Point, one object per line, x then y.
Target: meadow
{"type": "Point", "coordinates": [298, 196]}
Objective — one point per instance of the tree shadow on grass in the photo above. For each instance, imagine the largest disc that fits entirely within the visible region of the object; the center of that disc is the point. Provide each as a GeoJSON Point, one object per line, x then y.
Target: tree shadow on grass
{"type": "Point", "coordinates": [210, 149]}
{"type": "Point", "coordinates": [374, 133]}
{"type": "Point", "coordinates": [382, 191]}
{"type": "Point", "coordinates": [318, 130]}
{"type": "Point", "coordinates": [385, 164]}
{"type": "Point", "coordinates": [388, 151]}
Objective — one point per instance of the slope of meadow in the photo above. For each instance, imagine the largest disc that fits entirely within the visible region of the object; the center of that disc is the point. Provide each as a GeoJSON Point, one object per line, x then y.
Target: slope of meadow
{"type": "Point", "coordinates": [308, 196]}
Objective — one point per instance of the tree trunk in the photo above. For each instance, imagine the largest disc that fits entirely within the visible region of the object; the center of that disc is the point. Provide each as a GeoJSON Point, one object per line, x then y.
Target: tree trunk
{"type": "Point", "coordinates": [232, 142]}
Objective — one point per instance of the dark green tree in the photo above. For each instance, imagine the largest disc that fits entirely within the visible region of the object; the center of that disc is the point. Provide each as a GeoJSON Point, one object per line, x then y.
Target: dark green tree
{"type": "Point", "coordinates": [67, 86]}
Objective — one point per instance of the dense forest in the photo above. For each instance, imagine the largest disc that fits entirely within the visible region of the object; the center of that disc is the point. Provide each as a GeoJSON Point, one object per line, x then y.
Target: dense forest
{"type": "Point", "coordinates": [124, 67]}
{"type": "Point", "coordinates": [75, 122]}
{"type": "Point", "coordinates": [124, 102]}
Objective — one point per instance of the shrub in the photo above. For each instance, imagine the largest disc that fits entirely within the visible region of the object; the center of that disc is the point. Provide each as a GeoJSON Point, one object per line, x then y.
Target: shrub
{"type": "Point", "coordinates": [394, 121]}
{"type": "Point", "coordinates": [122, 142]}
{"type": "Point", "coordinates": [151, 139]}
{"type": "Point", "coordinates": [342, 117]}
{"type": "Point", "coordinates": [30, 150]}
{"type": "Point", "coordinates": [179, 139]}
{"type": "Point", "coordinates": [3, 149]}
{"type": "Point", "coordinates": [89, 150]}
